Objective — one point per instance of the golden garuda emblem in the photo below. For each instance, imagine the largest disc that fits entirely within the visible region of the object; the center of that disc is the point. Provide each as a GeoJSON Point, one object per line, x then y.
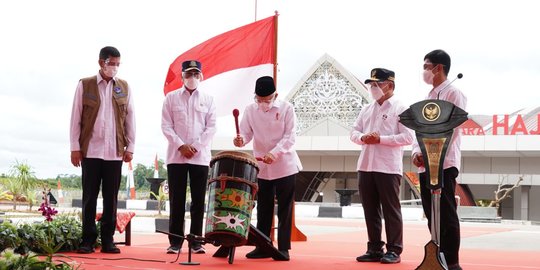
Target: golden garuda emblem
{"type": "Point", "coordinates": [431, 111]}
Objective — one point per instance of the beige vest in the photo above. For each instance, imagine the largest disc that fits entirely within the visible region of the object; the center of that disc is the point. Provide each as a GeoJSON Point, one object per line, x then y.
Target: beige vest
{"type": "Point", "coordinates": [91, 103]}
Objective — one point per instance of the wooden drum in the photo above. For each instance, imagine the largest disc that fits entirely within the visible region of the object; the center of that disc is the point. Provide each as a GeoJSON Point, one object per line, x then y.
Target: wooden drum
{"type": "Point", "coordinates": [231, 192]}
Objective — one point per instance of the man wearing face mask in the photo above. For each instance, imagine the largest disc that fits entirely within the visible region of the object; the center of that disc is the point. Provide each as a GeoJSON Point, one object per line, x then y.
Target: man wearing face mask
{"type": "Point", "coordinates": [189, 124]}
{"type": "Point", "coordinates": [380, 167]}
{"type": "Point", "coordinates": [270, 123]}
{"type": "Point", "coordinates": [102, 135]}
{"type": "Point", "coordinates": [436, 68]}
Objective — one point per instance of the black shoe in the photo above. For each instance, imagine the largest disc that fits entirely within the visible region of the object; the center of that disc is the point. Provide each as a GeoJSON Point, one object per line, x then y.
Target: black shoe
{"type": "Point", "coordinates": [85, 249]}
{"type": "Point", "coordinates": [390, 257]}
{"type": "Point", "coordinates": [173, 249]}
{"type": "Point", "coordinates": [258, 254]}
{"type": "Point", "coordinates": [370, 256]}
{"type": "Point", "coordinates": [197, 248]}
{"type": "Point", "coordinates": [110, 248]}
{"type": "Point", "coordinates": [285, 254]}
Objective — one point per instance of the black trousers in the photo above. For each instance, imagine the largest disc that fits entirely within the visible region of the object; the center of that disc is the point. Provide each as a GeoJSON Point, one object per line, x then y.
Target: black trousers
{"type": "Point", "coordinates": [178, 179]}
{"type": "Point", "coordinates": [382, 190]}
{"type": "Point", "coordinates": [449, 229]}
{"type": "Point", "coordinates": [283, 190]}
{"type": "Point", "coordinates": [107, 174]}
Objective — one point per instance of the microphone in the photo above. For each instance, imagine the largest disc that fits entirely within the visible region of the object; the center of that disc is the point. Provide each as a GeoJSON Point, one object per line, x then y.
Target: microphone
{"type": "Point", "coordinates": [459, 76]}
{"type": "Point", "coordinates": [235, 113]}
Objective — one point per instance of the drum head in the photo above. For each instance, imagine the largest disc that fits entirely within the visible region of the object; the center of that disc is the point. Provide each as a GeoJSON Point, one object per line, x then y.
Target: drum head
{"type": "Point", "coordinates": [241, 156]}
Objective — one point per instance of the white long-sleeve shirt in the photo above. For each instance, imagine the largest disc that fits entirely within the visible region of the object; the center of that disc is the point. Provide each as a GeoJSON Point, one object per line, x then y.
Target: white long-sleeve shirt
{"type": "Point", "coordinates": [189, 119]}
{"type": "Point", "coordinates": [386, 156]}
{"type": "Point", "coordinates": [103, 142]}
{"type": "Point", "coordinates": [272, 132]}
{"type": "Point", "coordinates": [453, 153]}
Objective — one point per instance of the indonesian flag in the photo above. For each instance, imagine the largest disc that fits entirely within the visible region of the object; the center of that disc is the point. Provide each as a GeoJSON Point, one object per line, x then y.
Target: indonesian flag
{"type": "Point", "coordinates": [156, 168]}
{"type": "Point", "coordinates": [231, 63]}
{"type": "Point", "coordinates": [130, 183]}
{"type": "Point", "coordinates": [60, 193]}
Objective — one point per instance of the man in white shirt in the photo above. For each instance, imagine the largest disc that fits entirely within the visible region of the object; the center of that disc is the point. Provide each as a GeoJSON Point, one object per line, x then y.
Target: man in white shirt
{"type": "Point", "coordinates": [270, 123]}
{"type": "Point", "coordinates": [380, 167]}
{"type": "Point", "coordinates": [102, 135]}
{"type": "Point", "coordinates": [189, 124]}
{"type": "Point", "coordinates": [436, 68]}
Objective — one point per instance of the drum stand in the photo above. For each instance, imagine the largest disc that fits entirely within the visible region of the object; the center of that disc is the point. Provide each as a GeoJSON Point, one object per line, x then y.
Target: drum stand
{"type": "Point", "coordinates": [256, 238]}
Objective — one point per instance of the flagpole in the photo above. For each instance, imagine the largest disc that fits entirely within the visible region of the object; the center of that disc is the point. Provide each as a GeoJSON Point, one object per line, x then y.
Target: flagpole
{"type": "Point", "coordinates": [255, 10]}
{"type": "Point", "coordinates": [275, 45]}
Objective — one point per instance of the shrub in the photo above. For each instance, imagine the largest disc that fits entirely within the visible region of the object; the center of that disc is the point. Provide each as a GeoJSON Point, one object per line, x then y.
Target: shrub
{"type": "Point", "coordinates": [9, 237]}
{"type": "Point", "coordinates": [61, 234]}
{"type": "Point", "coordinates": [11, 260]}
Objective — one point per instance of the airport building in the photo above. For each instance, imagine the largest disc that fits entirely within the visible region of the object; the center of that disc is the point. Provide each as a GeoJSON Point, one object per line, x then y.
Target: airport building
{"type": "Point", "coordinates": [499, 152]}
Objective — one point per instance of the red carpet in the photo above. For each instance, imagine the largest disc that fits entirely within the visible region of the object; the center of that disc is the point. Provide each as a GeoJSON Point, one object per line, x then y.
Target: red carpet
{"type": "Point", "coordinates": [332, 244]}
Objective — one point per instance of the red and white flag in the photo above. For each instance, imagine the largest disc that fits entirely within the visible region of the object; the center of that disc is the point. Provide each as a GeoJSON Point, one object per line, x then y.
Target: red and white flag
{"type": "Point", "coordinates": [60, 193]}
{"type": "Point", "coordinates": [130, 182]}
{"type": "Point", "coordinates": [231, 63]}
{"type": "Point", "coordinates": [156, 168]}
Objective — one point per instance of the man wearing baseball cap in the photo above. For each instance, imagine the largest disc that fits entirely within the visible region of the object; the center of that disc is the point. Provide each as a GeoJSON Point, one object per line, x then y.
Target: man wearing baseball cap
{"type": "Point", "coordinates": [380, 167]}
{"type": "Point", "coordinates": [189, 124]}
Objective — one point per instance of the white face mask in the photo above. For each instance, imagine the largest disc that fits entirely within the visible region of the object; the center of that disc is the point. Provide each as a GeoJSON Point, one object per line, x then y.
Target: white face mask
{"type": "Point", "coordinates": [376, 92]}
{"type": "Point", "coordinates": [428, 76]}
{"type": "Point", "coordinates": [110, 71]}
{"type": "Point", "coordinates": [265, 106]}
{"type": "Point", "coordinates": [191, 83]}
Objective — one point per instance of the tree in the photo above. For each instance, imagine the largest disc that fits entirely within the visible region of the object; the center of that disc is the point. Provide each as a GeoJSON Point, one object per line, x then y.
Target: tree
{"type": "Point", "coordinates": [162, 172]}
{"type": "Point", "coordinates": [5, 194]}
{"type": "Point", "coordinates": [22, 182]}
{"type": "Point", "coordinates": [23, 173]}
{"type": "Point", "coordinates": [14, 188]}
{"type": "Point", "coordinates": [503, 191]}
{"type": "Point", "coordinates": [68, 181]}
{"type": "Point", "coordinates": [141, 172]}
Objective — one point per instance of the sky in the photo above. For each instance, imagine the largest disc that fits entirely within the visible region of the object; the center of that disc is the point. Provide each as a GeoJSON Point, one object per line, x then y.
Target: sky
{"type": "Point", "coordinates": [47, 46]}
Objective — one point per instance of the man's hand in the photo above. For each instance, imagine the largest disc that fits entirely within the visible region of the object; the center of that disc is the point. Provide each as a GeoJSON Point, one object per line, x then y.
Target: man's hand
{"type": "Point", "coordinates": [238, 141]}
{"type": "Point", "coordinates": [128, 156]}
{"type": "Point", "coordinates": [187, 150]}
{"type": "Point", "coordinates": [76, 158]}
{"type": "Point", "coordinates": [418, 160]}
{"type": "Point", "coordinates": [268, 158]}
{"type": "Point", "coordinates": [371, 138]}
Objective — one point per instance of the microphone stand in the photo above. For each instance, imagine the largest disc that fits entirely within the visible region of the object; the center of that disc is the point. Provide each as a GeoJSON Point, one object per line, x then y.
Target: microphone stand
{"type": "Point", "coordinates": [459, 76]}
{"type": "Point", "coordinates": [189, 238]}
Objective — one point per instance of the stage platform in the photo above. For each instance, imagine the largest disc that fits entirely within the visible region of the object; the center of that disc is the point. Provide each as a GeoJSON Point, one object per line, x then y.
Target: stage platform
{"type": "Point", "coordinates": [334, 243]}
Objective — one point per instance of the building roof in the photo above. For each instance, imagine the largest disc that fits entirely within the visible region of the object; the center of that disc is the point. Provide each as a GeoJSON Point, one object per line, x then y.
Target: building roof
{"type": "Point", "coordinates": [327, 95]}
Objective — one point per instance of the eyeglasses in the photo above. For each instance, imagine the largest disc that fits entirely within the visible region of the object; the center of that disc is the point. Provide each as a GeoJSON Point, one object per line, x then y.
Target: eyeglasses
{"type": "Point", "coordinates": [111, 64]}
{"type": "Point", "coordinates": [197, 75]}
